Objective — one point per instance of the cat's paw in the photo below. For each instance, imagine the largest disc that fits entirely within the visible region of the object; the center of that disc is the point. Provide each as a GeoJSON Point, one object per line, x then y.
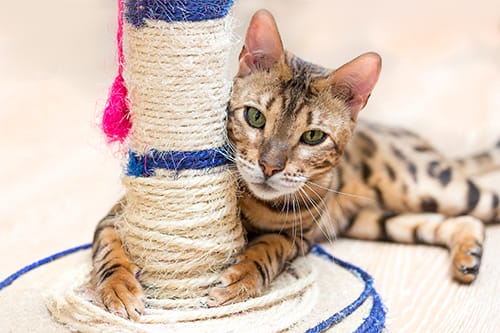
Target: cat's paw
{"type": "Point", "coordinates": [122, 295]}
{"type": "Point", "coordinates": [236, 284]}
{"type": "Point", "coordinates": [466, 260]}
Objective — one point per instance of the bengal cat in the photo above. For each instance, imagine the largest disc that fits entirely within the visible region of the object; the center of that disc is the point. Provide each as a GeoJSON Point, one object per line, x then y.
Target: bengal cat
{"type": "Point", "coordinates": [307, 173]}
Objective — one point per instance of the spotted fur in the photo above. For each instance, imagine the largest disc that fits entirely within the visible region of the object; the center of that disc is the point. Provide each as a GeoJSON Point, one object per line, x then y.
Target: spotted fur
{"type": "Point", "coordinates": [362, 180]}
{"type": "Point", "coordinates": [365, 180]}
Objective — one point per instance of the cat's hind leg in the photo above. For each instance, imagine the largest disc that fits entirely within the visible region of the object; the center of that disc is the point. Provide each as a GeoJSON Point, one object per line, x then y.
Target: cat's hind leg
{"type": "Point", "coordinates": [443, 189]}
{"type": "Point", "coordinates": [462, 235]}
{"type": "Point", "coordinates": [462, 196]}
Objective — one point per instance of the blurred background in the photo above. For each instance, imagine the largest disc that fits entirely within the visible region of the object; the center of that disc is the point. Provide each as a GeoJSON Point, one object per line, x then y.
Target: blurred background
{"type": "Point", "coordinates": [441, 59]}
{"type": "Point", "coordinates": [440, 77]}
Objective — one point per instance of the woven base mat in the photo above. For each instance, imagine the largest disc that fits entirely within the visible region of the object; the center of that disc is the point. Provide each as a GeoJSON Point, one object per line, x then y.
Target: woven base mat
{"type": "Point", "coordinates": [332, 288]}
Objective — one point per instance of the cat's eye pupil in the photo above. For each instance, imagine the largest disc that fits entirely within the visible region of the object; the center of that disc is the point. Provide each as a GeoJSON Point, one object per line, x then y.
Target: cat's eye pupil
{"type": "Point", "coordinates": [313, 137]}
{"type": "Point", "coordinates": [254, 117]}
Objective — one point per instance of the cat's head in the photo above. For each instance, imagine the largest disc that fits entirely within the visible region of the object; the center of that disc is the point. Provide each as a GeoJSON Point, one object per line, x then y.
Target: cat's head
{"type": "Point", "coordinates": [290, 120]}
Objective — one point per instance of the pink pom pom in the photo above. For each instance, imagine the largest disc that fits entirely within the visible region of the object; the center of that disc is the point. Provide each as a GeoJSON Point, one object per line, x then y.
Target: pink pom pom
{"type": "Point", "coordinates": [116, 121]}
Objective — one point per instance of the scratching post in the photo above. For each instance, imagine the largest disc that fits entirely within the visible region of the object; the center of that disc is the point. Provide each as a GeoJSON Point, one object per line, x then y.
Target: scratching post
{"type": "Point", "coordinates": [180, 224]}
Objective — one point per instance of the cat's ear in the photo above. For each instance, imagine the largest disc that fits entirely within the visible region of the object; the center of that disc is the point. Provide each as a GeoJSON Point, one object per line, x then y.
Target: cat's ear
{"type": "Point", "coordinates": [263, 47]}
{"type": "Point", "coordinates": [354, 81]}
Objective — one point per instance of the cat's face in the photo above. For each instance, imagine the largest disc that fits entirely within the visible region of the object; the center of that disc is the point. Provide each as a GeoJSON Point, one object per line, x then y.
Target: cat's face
{"type": "Point", "coordinates": [290, 120]}
{"type": "Point", "coordinates": [287, 128]}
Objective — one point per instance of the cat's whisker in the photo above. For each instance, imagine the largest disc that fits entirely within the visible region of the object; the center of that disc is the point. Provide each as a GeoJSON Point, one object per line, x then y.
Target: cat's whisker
{"type": "Point", "coordinates": [228, 141]}
{"type": "Point", "coordinates": [284, 209]}
{"type": "Point", "coordinates": [294, 225]}
{"type": "Point", "coordinates": [287, 204]}
{"type": "Point", "coordinates": [244, 162]}
{"type": "Point", "coordinates": [340, 192]}
{"type": "Point", "coordinates": [342, 209]}
{"type": "Point", "coordinates": [321, 198]}
{"type": "Point", "coordinates": [330, 218]}
{"type": "Point", "coordinates": [227, 154]}
{"type": "Point", "coordinates": [301, 224]}
{"type": "Point", "coordinates": [305, 195]}
{"type": "Point", "coordinates": [231, 149]}
{"type": "Point", "coordinates": [330, 228]}
{"type": "Point", "coordinates": [300, 215]}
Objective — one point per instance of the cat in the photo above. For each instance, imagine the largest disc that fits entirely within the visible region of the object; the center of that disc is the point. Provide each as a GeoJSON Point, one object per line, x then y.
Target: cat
{"type": "Point", "coordinates": [310, 170]}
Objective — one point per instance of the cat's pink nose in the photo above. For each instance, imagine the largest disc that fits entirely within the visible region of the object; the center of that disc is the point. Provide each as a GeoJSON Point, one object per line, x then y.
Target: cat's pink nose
{"type": "Point", "coordinates": [270, 169]}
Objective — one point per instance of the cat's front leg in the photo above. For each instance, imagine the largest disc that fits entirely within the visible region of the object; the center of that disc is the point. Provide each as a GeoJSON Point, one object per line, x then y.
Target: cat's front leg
{"type": "Point", "coordinates": [114, 274]}
{"type": "Point", "coordinates": [258, 265]}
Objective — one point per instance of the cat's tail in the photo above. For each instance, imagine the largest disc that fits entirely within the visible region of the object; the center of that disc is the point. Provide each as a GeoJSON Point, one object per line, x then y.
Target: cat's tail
{"type": "Point", "coordinates": [481, 163]}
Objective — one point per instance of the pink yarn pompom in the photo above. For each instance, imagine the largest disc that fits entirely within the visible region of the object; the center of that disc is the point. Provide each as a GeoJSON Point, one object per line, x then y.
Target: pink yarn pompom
{"type": "Point", "coordinates": [115, 120]}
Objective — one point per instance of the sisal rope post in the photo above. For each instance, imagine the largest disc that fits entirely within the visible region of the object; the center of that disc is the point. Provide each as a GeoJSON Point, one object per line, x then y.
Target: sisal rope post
{"type": "Point", "coordinates": [180, 224]}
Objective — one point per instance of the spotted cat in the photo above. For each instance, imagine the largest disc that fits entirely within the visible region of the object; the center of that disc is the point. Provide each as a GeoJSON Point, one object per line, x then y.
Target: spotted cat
{"type": "Point", "coordinates": [310, 170]}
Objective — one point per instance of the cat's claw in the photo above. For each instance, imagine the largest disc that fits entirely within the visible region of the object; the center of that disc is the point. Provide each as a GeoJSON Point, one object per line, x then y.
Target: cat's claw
{"type": "Point", "coordinates": [236, 284]}
{"type": "Point", "coordinates": [122, 295]}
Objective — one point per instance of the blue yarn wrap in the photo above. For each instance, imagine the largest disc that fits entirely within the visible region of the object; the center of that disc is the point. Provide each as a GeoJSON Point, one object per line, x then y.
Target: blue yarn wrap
{"type": "Point", "coordinates": [374, 323]}
{"type": "Point", "coordinates": [175, 10]}
{"type": "Point", "coordinates": [144, 165]}
{"type": "Point", "coordinates": [13, 277]}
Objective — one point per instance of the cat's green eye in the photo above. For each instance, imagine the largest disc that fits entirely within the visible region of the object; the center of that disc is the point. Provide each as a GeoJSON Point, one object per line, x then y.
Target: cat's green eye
{"type": "Point", "coordinates": [254, 117]}
{"type": "Point", "coordinates": [313, 137]}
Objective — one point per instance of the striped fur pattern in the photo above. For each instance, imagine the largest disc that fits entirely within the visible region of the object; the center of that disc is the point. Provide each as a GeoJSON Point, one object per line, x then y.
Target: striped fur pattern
{"type": "Point", "coordinates": [309, 170]}
{"type": "Point", "coordinates": [114, 275]}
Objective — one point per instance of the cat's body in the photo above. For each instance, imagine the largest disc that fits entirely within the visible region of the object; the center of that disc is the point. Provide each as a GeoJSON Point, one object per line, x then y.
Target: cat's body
{"type": "Point", "coordinates": [384, 169]}
{"type": "Point", "coordinates": [308, 174]}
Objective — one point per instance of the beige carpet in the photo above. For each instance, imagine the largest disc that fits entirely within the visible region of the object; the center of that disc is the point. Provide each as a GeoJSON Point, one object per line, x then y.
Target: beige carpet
{"type": "Point", "coordinates": [441, 77]}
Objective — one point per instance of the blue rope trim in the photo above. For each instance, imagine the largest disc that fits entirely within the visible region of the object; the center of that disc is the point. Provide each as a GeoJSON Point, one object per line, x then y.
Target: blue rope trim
{"type": "Point", "coordinates": [374, 323]}
{"type": "Point", "coordinates": [144, 165]}
{"type": "Point", "coordinates": [175, 10]}
{"type": "Point", "coordinates": [13, 277]}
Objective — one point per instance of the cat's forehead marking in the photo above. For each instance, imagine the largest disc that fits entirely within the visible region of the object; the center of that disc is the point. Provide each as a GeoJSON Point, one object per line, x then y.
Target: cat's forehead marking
{"type": "Point", "coordinates": [267, 100]}
{"type": "Point", "coordinates": [314, 117]}
{"type": "Point", "coordinates": [297, 89]}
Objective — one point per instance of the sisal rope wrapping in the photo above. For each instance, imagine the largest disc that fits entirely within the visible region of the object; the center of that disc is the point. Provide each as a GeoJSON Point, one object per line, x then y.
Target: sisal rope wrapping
{"type": "Point", "coordinates": [176, 75]}
{"type": "Point", "coordinates": [180, 226]}
{"type": "Point", "coordinates": [290, 297]}
{"type": "Point", "coordinates": [181, 251]}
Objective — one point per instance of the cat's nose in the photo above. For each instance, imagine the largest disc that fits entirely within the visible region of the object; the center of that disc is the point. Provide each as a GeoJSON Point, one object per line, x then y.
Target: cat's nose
{"type": "Point", "coordinates": [270, 168]}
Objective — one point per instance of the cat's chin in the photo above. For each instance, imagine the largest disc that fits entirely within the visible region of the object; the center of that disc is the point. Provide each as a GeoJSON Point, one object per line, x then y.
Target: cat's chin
{"type": "Point", "coordinates": [265, 192]}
